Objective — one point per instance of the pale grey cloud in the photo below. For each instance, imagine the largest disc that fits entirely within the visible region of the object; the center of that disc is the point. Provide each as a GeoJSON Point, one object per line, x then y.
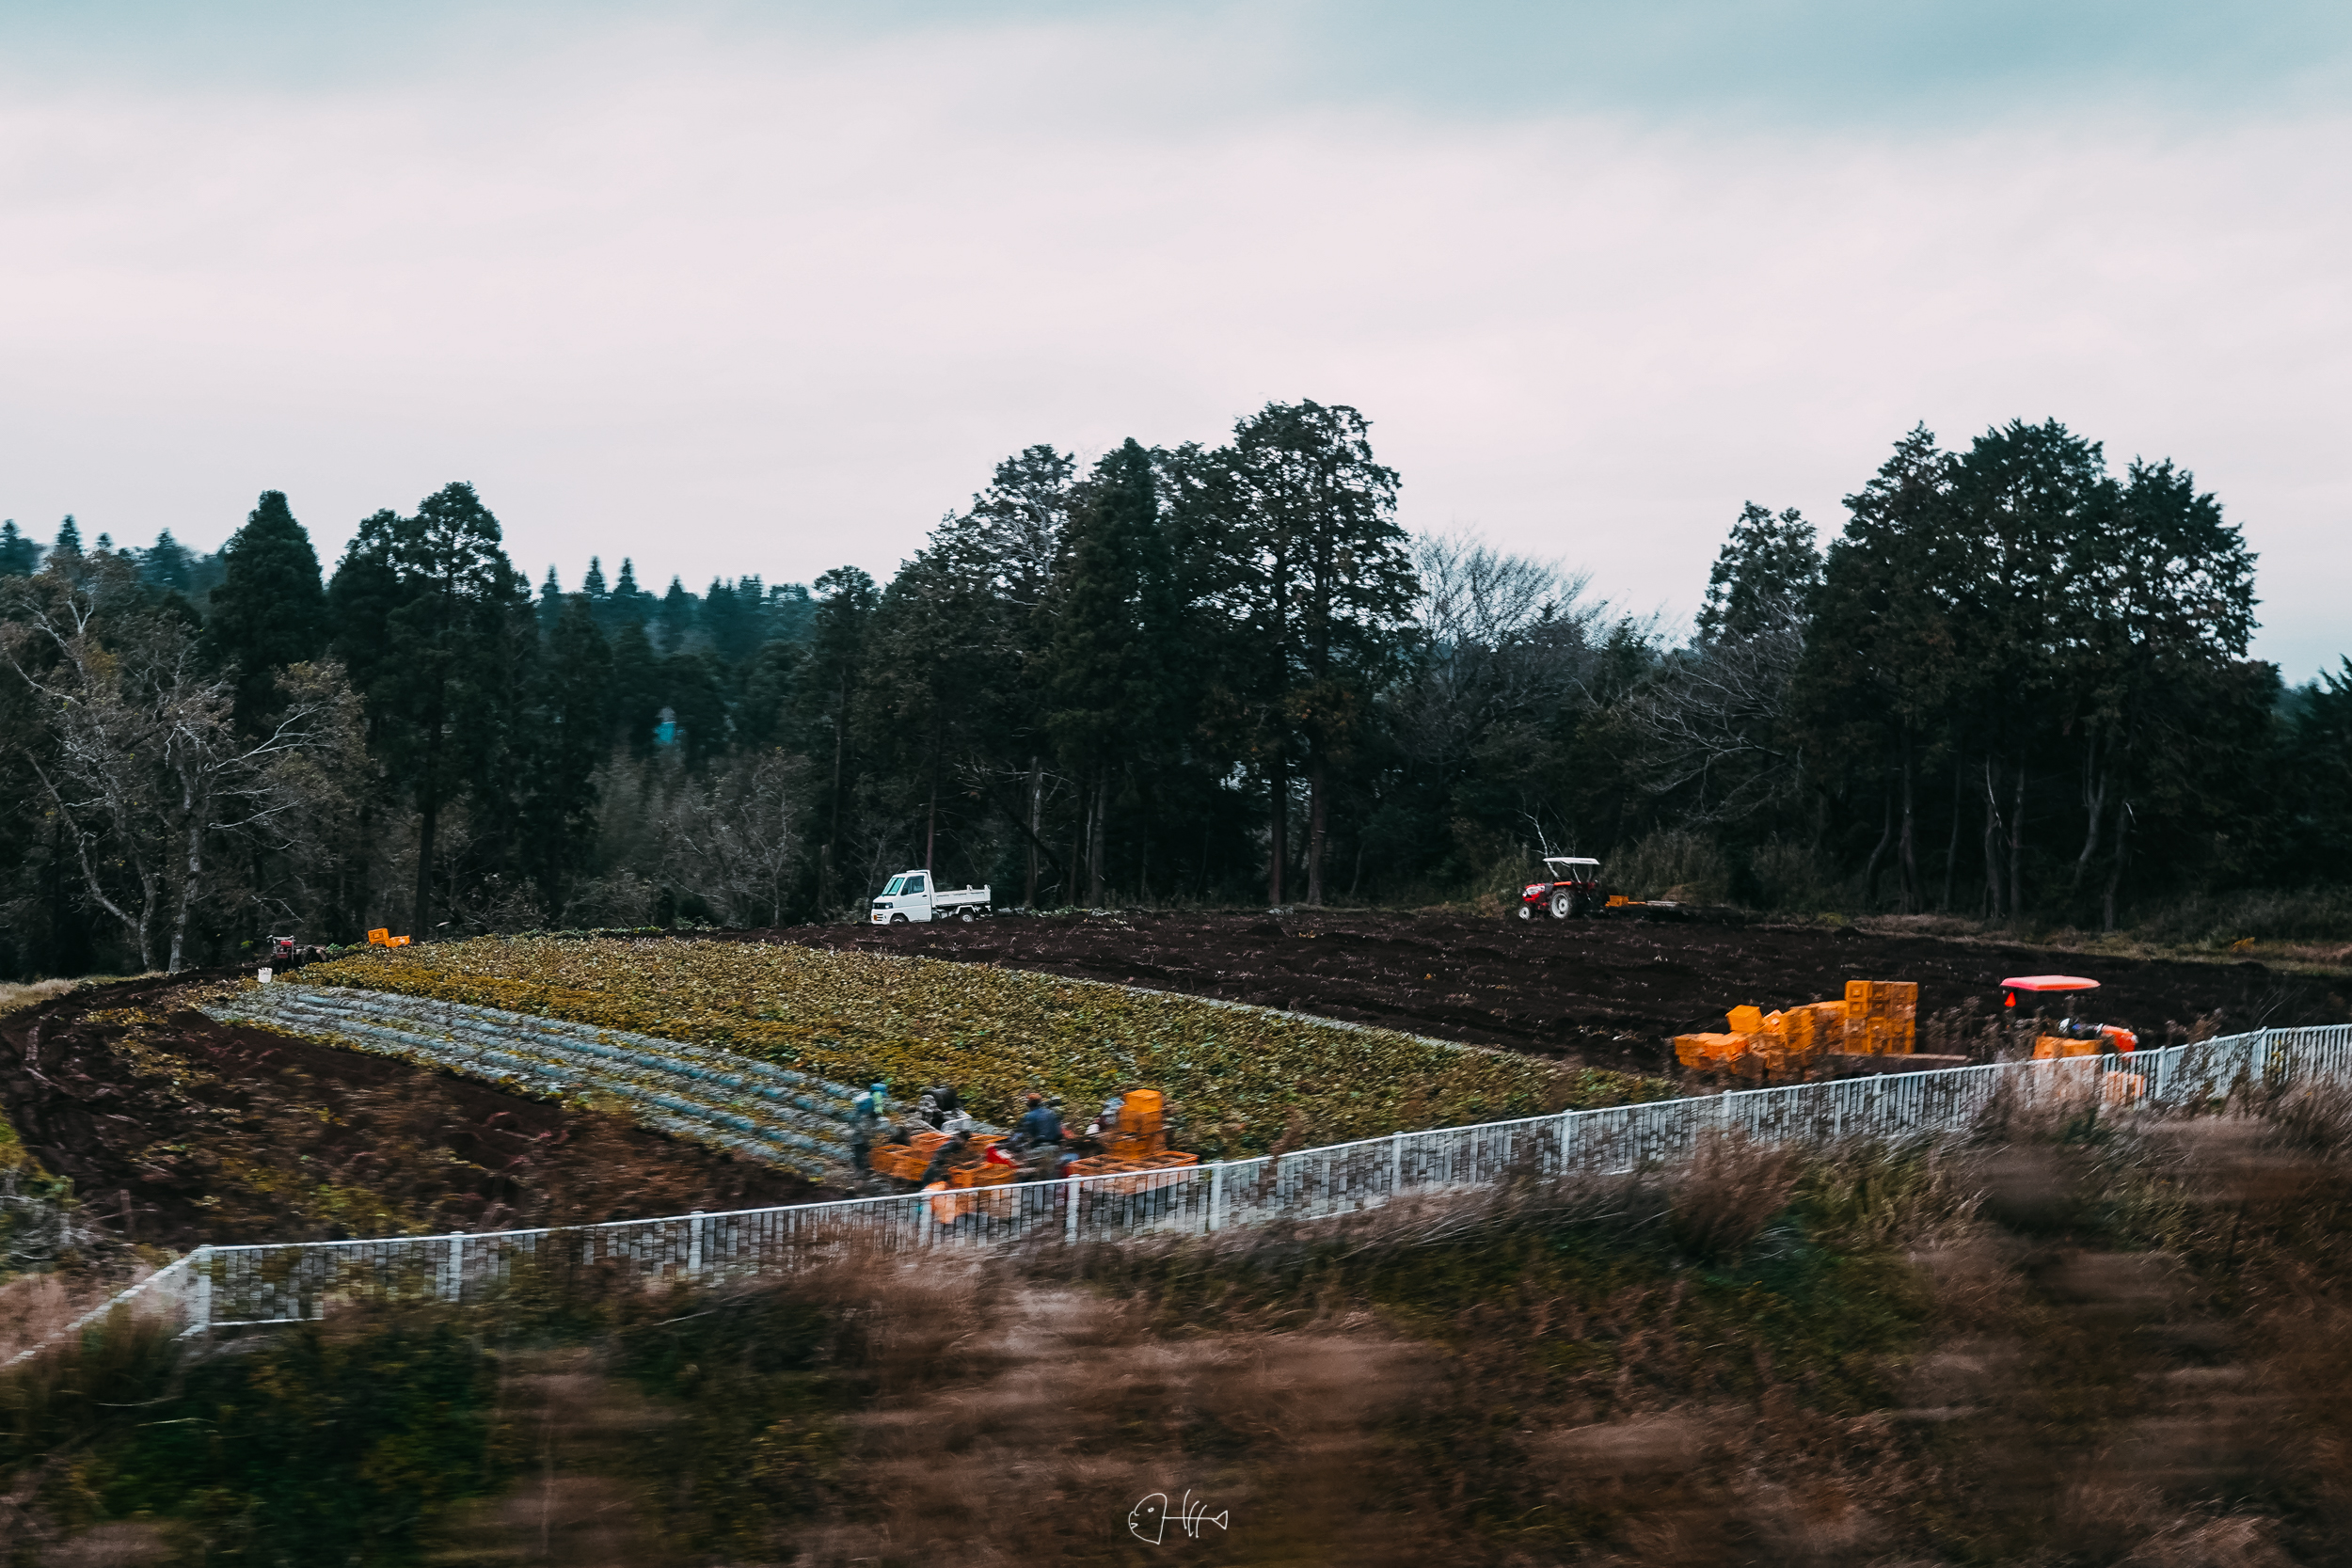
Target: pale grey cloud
{"type": "Point", "coordinates": [746, 295]}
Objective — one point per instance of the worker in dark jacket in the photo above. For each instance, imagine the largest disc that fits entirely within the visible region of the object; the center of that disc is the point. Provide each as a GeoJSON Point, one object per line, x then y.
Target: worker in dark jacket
{"type": "Point", "coordinates": [1040, 1124]}
{"type": "Point", "coordinates": [950, 1156]}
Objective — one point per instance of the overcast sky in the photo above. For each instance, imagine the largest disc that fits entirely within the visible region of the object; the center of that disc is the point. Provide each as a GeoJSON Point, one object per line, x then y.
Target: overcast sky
{"type": "Point", "coordinates": [769, 289]}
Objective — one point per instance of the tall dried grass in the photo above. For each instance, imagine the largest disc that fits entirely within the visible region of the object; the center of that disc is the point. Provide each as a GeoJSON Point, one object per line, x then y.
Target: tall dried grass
{"type": "Point", "coordinates": [15, 994]}
{"type": "Point", "coordinates": [2037, 1347]}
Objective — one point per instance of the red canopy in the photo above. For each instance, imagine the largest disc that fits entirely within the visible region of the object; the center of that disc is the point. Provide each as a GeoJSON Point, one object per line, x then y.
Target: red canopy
{"type": "Point", "coordinates": [2049, 982]}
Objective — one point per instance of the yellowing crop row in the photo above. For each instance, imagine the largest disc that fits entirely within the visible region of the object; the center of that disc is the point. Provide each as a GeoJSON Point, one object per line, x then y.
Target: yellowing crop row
{"type": "Point", "coordinates": [1235, 1077]}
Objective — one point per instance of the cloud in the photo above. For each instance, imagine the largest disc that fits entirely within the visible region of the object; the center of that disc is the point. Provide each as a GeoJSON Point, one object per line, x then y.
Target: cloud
{"type": "Point", "coordinates": [748, 298]}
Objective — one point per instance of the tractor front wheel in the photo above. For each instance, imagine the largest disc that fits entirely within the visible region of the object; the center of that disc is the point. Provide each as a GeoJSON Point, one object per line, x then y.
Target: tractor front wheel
{"type": "Point", "coordinates": [1562, 904]}
{"type": "Point", "coordinates": [1527, 910]}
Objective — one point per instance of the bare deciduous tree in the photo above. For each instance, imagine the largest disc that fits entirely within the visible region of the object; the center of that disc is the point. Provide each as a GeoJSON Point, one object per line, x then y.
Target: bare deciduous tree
{"type": "Point", "coordinates": [139, 757]}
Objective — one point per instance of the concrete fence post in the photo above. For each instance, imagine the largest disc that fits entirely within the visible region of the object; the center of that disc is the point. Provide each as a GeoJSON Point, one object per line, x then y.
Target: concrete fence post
{"type": "Point", "coordinates": [1396, 1165]}
{"type": "Point", "coordinates": [1216, 1195]}
{"type": "Point", "coordinates": [1070, 1221]}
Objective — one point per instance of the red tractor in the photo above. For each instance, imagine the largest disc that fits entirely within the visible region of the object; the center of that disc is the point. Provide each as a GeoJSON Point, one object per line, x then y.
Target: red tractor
{"type": "Point", "coordinates": [1574, 889]}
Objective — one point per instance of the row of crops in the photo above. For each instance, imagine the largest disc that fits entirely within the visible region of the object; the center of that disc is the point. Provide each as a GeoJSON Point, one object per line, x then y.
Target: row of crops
{"type": "Point", "coordinates": [717, 1097]}
{"type": "Point", "coordinates": [1239, 1078]}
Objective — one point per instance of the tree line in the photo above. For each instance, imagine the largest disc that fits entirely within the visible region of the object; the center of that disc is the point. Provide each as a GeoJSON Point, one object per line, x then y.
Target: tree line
{"type": "Point", "coordinates": [2016, 685]}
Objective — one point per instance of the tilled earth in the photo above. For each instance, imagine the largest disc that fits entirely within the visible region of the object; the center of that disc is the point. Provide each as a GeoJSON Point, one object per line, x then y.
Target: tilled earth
{"type": "Point", "coordinates": [1610, 991]}
{"type": "Point", "coordinates": [176, 1128]}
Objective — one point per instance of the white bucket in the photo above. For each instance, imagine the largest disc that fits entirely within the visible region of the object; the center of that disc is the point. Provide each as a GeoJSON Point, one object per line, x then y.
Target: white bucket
{"type": "Point", "coordinates": [266, 975]}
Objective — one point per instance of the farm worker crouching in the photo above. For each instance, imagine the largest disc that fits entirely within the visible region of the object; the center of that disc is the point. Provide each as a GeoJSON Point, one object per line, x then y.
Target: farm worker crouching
{"type": "Point", "coordinates": [950, 1154]}
{"type": "Point", "coordinates": [866, 1114]}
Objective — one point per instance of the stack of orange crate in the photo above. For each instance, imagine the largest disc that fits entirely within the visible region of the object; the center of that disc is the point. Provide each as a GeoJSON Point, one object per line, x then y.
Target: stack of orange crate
{"type": "Point", "coordinates": [1709, 1053]}
{"type": "Point", "coordinates": [1881, 1017]}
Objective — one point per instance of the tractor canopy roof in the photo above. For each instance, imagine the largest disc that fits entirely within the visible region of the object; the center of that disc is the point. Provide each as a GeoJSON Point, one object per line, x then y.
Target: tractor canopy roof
{"type": "Point", "coordinates": [1570, 861]}
{"type": "Point", "coordinates": [2049, 982]}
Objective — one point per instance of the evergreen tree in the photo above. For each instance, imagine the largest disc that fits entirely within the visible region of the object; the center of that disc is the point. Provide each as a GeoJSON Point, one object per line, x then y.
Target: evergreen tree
{"type": "Point", "coordinates": [691, 691]}
{"type": "Point", "coordinates": [634, 696]}
{"type": "Point", "coordinates": [1879, 679]}
{"type": "Point", "coordinates": [167, 565]}
{"type": "Point", "coordinates": [1321, 592]}
{"type": "Point", "coordinates": [566, 742]}
{"type": "Point", "coordinates": [675, 622]}
{"type": "Point", "coordinates": [1109, 674]}
{"type": "Point", "coordinates": [270, 610]}
{"type": "Point", "coordinates": [2318, 774]}
{"type": "Point", "coordinates": [845, 603]}
{"type": "Point", "coordinates": [770, 681]}
{"type": "Point", "coordinates": [551, 603]}
{"type": "Point", "coordinates": [1763, 575]}
{"type": "Point", "coordinates": [440, 690]}
{"type": "Point", "coordinates": [592, 584]}
{"type": "Point", "coordinates": [69, 538]}
{"type": "Point", "coordinates": [361, 600]}
{"type": "Point", "coordinates": [19, 556]}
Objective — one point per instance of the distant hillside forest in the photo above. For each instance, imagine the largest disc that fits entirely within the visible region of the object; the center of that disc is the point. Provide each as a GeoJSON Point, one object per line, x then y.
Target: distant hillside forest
{"type": "Point", "coordinates": [2015, 687]}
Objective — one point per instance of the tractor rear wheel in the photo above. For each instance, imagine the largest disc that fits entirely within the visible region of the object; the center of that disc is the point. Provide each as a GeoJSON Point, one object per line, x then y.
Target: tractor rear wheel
{"type": "Point", "coordinates": [1562, 903]}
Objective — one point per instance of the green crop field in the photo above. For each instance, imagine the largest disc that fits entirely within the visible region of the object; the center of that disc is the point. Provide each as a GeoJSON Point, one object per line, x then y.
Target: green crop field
{"type": "Point", "coordinates": [1237, 1079]}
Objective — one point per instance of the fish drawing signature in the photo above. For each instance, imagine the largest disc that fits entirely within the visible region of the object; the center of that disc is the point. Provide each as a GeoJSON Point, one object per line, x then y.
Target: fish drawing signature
{"type": "Point", "coordinates": [1148, 1520]}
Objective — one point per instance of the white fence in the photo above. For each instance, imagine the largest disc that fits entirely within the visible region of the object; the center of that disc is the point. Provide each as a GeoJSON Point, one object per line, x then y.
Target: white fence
{"type": "Point", "coordinates": [226, 1286]}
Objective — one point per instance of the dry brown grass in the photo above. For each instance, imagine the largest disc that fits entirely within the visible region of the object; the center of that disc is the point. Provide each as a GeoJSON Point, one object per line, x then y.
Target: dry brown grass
{"type": "Point", "coordinates": [2077, 1343]}
{"type": "Point", "coordinates": [15, 994]}
{"type": "Point", "coordinates": [1722, 1198]}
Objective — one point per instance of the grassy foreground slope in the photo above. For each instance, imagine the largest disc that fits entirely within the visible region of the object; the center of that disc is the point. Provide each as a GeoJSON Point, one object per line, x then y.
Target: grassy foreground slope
{"type": "Point", "coordinates": [2062, 1342]}
{"type": "Point", "coordinates": [1239, 1080]}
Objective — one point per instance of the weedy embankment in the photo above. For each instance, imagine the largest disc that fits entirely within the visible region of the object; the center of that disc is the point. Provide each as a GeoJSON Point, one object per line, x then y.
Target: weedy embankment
{"type": "Point", "coordinates": [2063, 1342]}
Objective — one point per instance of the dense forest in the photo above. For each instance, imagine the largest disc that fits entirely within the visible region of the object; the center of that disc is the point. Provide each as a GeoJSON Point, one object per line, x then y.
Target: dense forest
{"type": "Point", "coordinates": [2015, 687]}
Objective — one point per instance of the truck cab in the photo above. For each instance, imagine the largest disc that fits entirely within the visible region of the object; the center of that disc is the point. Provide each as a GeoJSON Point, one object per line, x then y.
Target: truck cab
{"type": "Point", "coordinates": [915, 896]}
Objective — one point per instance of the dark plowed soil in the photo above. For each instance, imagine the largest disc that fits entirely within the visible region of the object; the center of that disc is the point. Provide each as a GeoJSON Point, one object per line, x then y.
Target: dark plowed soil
{"type": "Point", "coordinates": [178, 1128]}
{"type": "Point", "coordinates": [1609, 991]}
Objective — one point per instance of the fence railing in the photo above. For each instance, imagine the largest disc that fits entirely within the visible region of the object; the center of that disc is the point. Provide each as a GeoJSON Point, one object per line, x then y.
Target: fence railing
{"type": "Point", "coordinates": [227, 1285]}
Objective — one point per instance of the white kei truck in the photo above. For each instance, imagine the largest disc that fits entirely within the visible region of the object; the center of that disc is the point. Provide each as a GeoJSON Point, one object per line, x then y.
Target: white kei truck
{"type": "Point", "coordinates": [911, 896]}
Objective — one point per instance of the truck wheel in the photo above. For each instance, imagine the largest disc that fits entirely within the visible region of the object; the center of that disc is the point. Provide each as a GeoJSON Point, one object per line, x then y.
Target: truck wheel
{"type": "Point", "coordinates": [897, 920]}
{"type": "Point", "coordinates": [1527, 910]}
{"type": "Point", "coordinates": [1562, 904]}
{"type": "Point", "coordinates": [966, 916]}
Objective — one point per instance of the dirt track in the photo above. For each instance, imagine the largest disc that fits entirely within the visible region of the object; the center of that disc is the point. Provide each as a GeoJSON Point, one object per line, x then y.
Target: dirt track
{"type": "Point", "coordinates": [1610, 991]}
{"type": "Point", "coordinates": [176, 1128]}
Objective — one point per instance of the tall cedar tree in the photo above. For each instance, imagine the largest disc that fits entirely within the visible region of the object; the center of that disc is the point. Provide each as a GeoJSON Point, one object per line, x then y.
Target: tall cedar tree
{"type": "Point", "coordinates": [1769, 569]}
{"type": "Point", "coordinates": [270, 609]}
{"type": "Point", "coordinates": [846, 602]}
{"type": "Point", "coordinates": [566, 742]}
{"type": "Point", "coordinates": [1881, 653]}
{"type": "Point", "coordinates": [1324, 588]}
{"type": "Point", "coordinates": [430, 598]}
{"type": "Point", "coordinates": [1115, 652]}
{"type": "Point", "coordinates": [19, 556]}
